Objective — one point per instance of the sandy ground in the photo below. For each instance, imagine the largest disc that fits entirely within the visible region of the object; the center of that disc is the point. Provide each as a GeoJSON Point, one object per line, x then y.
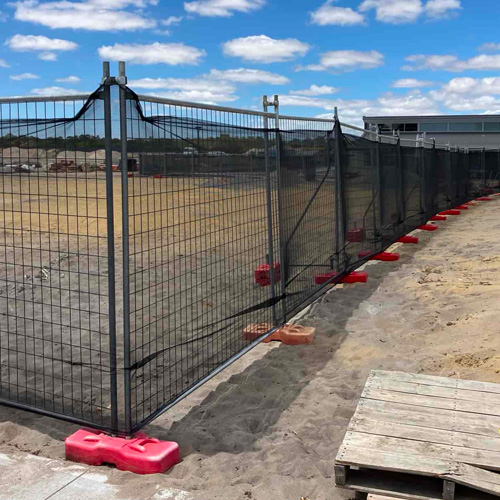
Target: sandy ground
{"type": "Point", "coordinates": [269, 427]}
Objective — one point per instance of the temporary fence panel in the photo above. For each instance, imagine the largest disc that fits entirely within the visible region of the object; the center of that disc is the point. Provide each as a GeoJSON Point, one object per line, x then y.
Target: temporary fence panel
{"type": "Point", "coordinates": [146, 243]}
{"type": "Point", "coordinates": [307, 207]}
{"type": "Point", "coordinates": [56, 263]}
{"type": "Point", "coordinates": [200, 219]}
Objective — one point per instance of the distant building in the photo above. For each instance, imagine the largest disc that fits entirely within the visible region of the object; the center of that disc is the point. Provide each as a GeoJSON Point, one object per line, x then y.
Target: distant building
{"type": "Point", "coordinates": [472, 131]}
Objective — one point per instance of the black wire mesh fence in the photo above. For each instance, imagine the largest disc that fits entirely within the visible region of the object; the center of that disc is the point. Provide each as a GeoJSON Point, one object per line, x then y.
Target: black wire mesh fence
{"type": "Point", "coordinates": [145, 243]}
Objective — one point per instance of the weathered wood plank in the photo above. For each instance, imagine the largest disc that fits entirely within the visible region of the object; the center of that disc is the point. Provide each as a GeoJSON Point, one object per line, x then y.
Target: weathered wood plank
{"type": "Point", "coordinates": [398, 429]}
{"type": "Point", "coordinates": [473, 385]}
{"type": "Point", "coordinates": [485, 425]}
{"type": "Point", "coordinates": [476, 478]}
{"type": "Point", "coordinates": [410, 448]}
{"type": "Point", "coordinates": [370, 457]}
{"type": "Point", "coordinates": [432, 402]}
{"type": "Point", "coordinates": [432, 390]}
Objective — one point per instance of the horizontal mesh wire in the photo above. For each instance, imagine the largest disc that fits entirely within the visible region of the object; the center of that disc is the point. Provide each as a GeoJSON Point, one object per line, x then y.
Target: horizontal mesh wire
{"type": "Point", "coordinates": [198, 215]}
{"type": "Point", "coordinates": [54, 314]}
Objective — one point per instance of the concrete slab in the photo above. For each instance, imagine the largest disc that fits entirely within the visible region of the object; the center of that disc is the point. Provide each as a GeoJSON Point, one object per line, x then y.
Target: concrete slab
{"type": "Point", "coordinates": [29, 477]}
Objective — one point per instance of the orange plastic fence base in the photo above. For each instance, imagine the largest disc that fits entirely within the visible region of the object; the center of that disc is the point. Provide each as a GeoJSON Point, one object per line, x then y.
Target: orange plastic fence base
{"type": "Point", "coordinates": [437, 218]}
{"type": "Point", "coordinates": [288, 334]}
{"type": "Point", "coordinates": [428, 227]}
{"type": "Point", "coordinates": [254, 330]}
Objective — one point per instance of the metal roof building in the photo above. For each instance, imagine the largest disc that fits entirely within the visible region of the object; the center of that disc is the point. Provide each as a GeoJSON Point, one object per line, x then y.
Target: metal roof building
{"type": "Point", "coordinates": [471, 131]}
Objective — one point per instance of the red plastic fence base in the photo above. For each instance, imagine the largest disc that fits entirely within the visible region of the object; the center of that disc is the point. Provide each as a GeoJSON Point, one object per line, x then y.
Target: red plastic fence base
{"type": "Point", "coordinates": [484, 198]}
{"type": "Point", "coordinates": [428, 227]}
{"type": "Point", "coordinates": [463, 207]}
{"type": "Point", "coordinates": [356, 235]}
{"type": "Point", "coordinates": [262, 274]}
{"type": "Point", "coordinates": [141, 455]}
{"type": "Point", "coordinates": [354, 277]}
{"type": "Point", "coordinates": [450, 212]}
{"type": "Point", "coordinates": [408, 239]}
{"type": "Point", "coordinates": [383, 256]}
{"type": "Point", "coordinates": [496, 194]}
{"type": "Point", "coordinates": [437, 218]}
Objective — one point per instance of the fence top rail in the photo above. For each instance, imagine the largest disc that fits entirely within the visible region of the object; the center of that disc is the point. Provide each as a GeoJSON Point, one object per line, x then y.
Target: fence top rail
{"type": "Point", "coordinates": [197, 105]}
{"type": "Point", "coordinates": [28, 99]}
{"type": "Point", "coordinates": [227, 109]}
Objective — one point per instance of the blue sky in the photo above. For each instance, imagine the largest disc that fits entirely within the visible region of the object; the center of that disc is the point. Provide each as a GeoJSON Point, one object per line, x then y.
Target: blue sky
{"type": "Point", "coordinates": [364, 56]}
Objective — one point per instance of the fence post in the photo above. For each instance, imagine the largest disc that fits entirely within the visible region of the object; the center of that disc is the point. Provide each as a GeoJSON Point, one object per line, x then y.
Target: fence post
{"type": "Point", "coordinates": [483, 167]}
{"type": "Point", "coordinates": [340, 209]}
{"type": "Point", "coordinates": [377, 189]}
{"type": "Point", "coordinates": [401, 182]}
{"type": "Point", "coordinates": [449, 176]}
{"type": "Point", "coordinates": [283, 244]}
{"type": "Point", "coordinates": [106, 82]}
{"type": "Point", "coordinates": [122, 81]}
{"type": "Point", "coordinates": [269, 202]}
{"type": "Point", "coordinates": [423, 185]}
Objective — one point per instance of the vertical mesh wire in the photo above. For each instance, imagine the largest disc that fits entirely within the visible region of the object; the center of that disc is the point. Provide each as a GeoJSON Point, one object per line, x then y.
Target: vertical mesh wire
{"type": "Point", "coordinates": [54, 316]}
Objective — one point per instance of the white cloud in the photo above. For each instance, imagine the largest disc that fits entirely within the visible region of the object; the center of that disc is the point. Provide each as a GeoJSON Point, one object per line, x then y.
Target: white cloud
{"type": "Point", "coordinates": [437, 9]}
{"type": "Point", "coordinates": [315, 90]}
{"type": "Point", "coordinates": [92, 15]}
{"type": "Point", "coordinates": [346, 60]}
{"type": "Point", "coordinates": [483, 62]}
{"type": "Point", "coordinates": [245, 75]}
{"type": "Point", "coordinates": [55, 91]}
{"type": "Point", "coordinates": [189, 84]}
{"type": "Point", "coordinates": [171, 21]}
{"type": "Point", "coordinates": [24, 76]}
{"type": "Point", "coordinates": [409, 11]}
{"type": "Point", "coordinates": [155, 53]}
{"type": "Point", "coordinates": [411, 83]}
{"type": "Point", "coordinates": [264, 49]}
{"type": "Point", "coordinates": [68, 79]}
{"type": "Point", "coordinates": [489, 47]}
{"type": "Point", "coordinates": [4, 64]}
{"type": "Point", "coordinates": [202, 89]}
{"type": "Point", "coordinates": [394, 11]}
{"type": "Point", "coordinates": [47, 56]}
{"type": "Point", "coordinates": [353, 110]}
{"type": "Point", "coordinates": [27, 43]}
{"type": "Point", "coordinates": [222, 8]}
{"type": "Point", "coordinates": [202, 96]}
{"type": "Point", "coordinates": [328, 14]}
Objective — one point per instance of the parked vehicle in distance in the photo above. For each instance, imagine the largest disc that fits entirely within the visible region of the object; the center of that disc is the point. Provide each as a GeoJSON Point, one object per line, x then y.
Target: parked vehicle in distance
{"type": "Point", "coordinates": [216, 153]}
{"type": "Point", "coordinates": [190, 152]}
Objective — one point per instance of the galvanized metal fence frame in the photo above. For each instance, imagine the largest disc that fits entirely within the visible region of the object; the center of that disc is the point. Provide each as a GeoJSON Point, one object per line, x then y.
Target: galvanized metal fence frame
{"type": "Point", "coordinates": [328, 137]}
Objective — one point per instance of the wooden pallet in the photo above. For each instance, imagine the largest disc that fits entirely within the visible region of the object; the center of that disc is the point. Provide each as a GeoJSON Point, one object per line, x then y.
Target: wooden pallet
{"type": "Point", "coordinates": [417, 436]}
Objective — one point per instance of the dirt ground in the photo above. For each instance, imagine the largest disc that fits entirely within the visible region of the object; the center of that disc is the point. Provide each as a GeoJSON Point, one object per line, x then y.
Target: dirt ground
{"type": "Point", "coordinates": [269, 427]}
